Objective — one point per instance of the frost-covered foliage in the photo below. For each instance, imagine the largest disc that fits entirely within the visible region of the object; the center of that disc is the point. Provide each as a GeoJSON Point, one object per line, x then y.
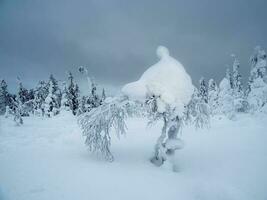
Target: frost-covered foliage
{"type": "Point", "coordinates": [97, 124]}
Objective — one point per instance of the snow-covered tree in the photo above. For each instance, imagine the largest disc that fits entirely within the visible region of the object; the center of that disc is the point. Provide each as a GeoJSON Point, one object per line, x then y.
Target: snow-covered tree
{"type": "Point", "coordinates": [64, 98]}
{"type": "Point", "coordinates": [256, 93]}
{"type": "Point", "coordinates": [203, 90]}
{"type": "Point", "coordinates": [165, 89]}
{"type": "Point", "coordinates": [94, 100]}
{"type": "Point", "coordinates": [18, 112]}
{"type": "Point", "coordinates": [3, 97]}
{"type": "Point", "coordinates": [257, 97]}
{"type": "Point", "coordinates": [72, 94]}
{"type": "Point", "coordinates": [258, 63]}
{"type": "Point", "coordinates": [226, 99]}
{"type": "Point", "coordinates": [82, 108]}
{"type": "Point", "coordinates": [55, 90]}
{"type": "Point", "coordinates": [22, 93]}
{"type": "Point", "coordinates": [103, 96]}
{"type": "Point", "coordinates": [213, 97]}
{"type": "Point", "coordinates": [51, 102]}
{"type": "Point", "coordinates": [40, 93]}
{"type": "Point", "coordinates": [238, 94]}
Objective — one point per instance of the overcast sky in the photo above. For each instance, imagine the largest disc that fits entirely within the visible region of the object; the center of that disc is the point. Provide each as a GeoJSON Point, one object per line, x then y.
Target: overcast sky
{"type": "Point", "coordinates": [117, 40]}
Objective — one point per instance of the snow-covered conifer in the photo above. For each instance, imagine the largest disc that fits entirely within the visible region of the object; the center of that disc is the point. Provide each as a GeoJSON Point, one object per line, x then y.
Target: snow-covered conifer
{"type": "Point", "coordinates": [226, 99]}
{"type": "Point", "coordinates": [18, 111]}
{"type": "Point", "coordinates": [203, 90]}
{"type": "Point", "coordinates": [40, 93]}
{"type": "Point", "coordinates": [238, 94]}
{"type": "Point", "coordinates": [213, 97]}
{"type": "Point", "coordinates": [3, 97]}
{"type": "Point", "coordinates": [51, 102]}
{"type": "Point", "coordinates": [72, 94]}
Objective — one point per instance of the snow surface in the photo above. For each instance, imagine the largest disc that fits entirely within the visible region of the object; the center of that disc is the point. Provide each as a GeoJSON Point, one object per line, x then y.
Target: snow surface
{"type": "Point", "coordinates": [166, 79]}
{"type": "Point", "coordinates": [46, 159]}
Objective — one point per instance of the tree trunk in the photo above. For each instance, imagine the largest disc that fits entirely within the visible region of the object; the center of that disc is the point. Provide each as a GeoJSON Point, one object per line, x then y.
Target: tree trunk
{"type": "Point", "coordinates": [158, 158]}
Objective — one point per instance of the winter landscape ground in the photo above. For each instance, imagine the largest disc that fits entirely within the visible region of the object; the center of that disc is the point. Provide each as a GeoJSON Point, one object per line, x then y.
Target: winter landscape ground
{"type": "Point", "coordinates": [46, 159]}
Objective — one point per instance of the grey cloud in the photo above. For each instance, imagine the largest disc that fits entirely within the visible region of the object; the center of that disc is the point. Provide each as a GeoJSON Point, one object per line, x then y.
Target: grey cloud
{"type": "Point", "coordinates": [117, 39]}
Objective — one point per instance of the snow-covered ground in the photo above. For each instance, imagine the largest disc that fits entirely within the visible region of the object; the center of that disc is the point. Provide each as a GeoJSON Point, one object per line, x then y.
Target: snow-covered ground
{"type": "Point", "coordinates": [45, 159]}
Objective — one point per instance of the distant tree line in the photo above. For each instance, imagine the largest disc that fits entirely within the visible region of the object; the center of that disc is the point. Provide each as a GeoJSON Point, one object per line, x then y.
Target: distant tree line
{"type": "Point", "coordinates": [47, 99]}
{"type": "Point", "coordinates": [229, 97]}
{"type": "Point", "coordinates": [232, 96]}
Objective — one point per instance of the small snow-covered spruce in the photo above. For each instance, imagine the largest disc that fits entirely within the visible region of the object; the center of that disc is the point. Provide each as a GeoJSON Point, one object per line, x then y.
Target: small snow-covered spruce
{"type": "Point", "coordinates": [240, 104]}
{"type": "Point", "coordinates": [51, 103]}
{"type": "Point", "coordinates": [213, 97]}
{"type": "Point", "coordinates": [97, 123]}
{"type": "Point", "coordinates": [257, 89]}
{"type": "Point", "coordinates": [226, 98]}
{"type": "Point", "coordinates": [64, 98]}
{"type": "Point", "coordinates": [18, 112]}
{"type": "Point", "coordinates": [40, 94]}
{"type": "Point", "coordinates": [72, 94]}
{"type": "Point", "coordinates": [203, 90]}
{"type": "Point", "coordinates": [3, 97]}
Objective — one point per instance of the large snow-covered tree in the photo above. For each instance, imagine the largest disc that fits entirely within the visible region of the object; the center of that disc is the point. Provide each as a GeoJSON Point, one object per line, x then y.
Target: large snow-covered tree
{"type": "Point", "coordinates": [165, 89]}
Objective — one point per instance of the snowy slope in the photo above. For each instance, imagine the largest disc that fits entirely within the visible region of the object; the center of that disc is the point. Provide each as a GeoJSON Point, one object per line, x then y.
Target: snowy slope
{"type": "Point", "coordinates": [46, 160]}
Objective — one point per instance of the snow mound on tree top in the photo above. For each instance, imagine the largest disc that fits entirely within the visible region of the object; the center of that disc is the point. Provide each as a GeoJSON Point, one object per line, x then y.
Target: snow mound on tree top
{"type": "Point", "coordinates": [166, 79]}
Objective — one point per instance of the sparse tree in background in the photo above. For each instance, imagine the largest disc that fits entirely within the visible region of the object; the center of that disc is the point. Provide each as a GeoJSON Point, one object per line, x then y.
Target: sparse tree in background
{"type": "Point", "coordinates": [18, 112]}
{"type": "Point", "coordinates": [203, 90]}
{"type": "Point", "coordinates": [3, 97]}
{"type": "Point", "coordinates": [257, 89]}
{"type": "Point", "coordinates": [94, 100]}
{"type": "Point", "coordinates": [64, 98]}
{"type": "Point", "coordinates": [213, 97]}
{"type": "Point", "coordinates": [240, 104]}
{"type": "Point", "coordinates": [51, 102]}
{"type": "Point", "coordinates": [72, 94]}
{"type": "Point", "coordinates": [55, 90]}
{"type": "Point", "coordinates": [40, 94]}
{"type": "Point", "coordinates": [226, 98]}
{"type": "Point", "coordinates": [103, 96]}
